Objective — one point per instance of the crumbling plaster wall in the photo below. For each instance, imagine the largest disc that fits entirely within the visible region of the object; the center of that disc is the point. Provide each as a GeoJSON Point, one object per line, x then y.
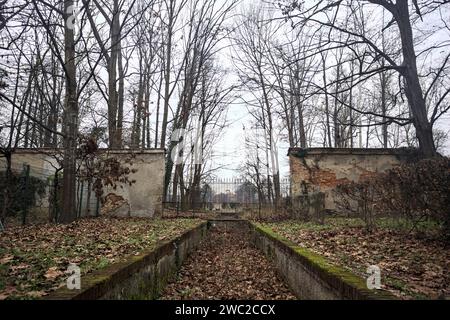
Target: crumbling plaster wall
{"type": "Point", "coordinates": [322, 169]}
{"type": "Point", "coordinates": [142, 199]}
{"type": "Point", "coordinates": [145, 196]}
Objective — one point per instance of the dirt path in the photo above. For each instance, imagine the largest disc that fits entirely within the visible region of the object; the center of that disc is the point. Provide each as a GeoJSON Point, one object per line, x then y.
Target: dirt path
{"type": "Point", "coordinates": [226, 266]}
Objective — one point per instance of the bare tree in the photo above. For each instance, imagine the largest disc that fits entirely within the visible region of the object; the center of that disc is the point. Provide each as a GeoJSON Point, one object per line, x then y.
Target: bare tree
{"type": "Point", "coordinates": [334, 16]}
{"type": "Point", "coordinates": [251, 37]}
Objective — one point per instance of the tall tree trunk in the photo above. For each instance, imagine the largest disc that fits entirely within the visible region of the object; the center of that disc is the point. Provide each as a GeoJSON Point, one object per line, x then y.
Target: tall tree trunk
{"type": "Point", "coordinates": [146, 129]}
{"type": "Point", "coordinates": [136, 134]}
{"type": "Point", "coordinates": [301, 125]}
{"type": "Point", "coordinates": [112, 77]}
{"type": "Point", "coordinates": [384, 127]}
{"type": "Point", "coordinates": [275, 172]}
{"type": "Point", "coordinates": [167, 73]}
{"type": "Point", "coordinates": [350, 110]}
{"type": "Point", "coordinates": [158, 104]}
{"type": "Point", "coordinates": [337, 128]}
{"type": "Point", "coordinates": [327, 104]}
{"type": "Point", "coordinates": [121, 93]}
{"type": "Point", "coordinates": [68, 213]}
{"type": "Point", "coordinates": [413, 89]}
{"type": "Point", "coordinates": [384, 84]}
{"type": "Point", "coordinates": [301, 120]}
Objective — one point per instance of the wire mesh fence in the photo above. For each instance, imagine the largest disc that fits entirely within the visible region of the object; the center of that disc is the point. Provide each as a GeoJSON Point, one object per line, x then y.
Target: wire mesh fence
{"type": "Point", "coordinates": [32, 193]}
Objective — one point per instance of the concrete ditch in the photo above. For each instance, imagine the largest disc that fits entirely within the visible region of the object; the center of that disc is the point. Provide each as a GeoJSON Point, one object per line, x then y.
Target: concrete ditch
{"type": "Point", "coordinates": [227, 266]}
{"type": "Point", "coordinates": [308, 275]}
{"type": "Point", "coordinates": [141, 277]}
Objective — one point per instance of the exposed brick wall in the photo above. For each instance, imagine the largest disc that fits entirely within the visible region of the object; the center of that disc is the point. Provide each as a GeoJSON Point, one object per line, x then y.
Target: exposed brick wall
{"type": "Point", "coordinates": [323, 169]}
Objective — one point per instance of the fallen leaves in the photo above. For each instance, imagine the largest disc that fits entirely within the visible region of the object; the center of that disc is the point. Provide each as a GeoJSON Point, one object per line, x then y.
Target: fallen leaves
{"type": "Point", "coordinates": [6, 292]}
{"type": "Point", "coordinates": [412, 266]}
{"type": "Point", "coordinates": [33, 259]}
{"type": "Point", "coordinates": [53, 273]}
{"type": "Point", "coordinates": [20, 266]}
{"type": "Point", "coordinates": [7, 258]}
{"type": "Point", "coordinates": [226, 266]}
{"type": "Point", "coordinates": [36, 294]}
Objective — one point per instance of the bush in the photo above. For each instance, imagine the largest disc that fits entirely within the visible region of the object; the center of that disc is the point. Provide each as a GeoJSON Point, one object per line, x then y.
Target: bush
{"type": "Point", "coordinates": [358, 199]}
{"type": "Point", "coordinates": [417, 192]}
{"type": "Point", "coordinates": [18, 199]}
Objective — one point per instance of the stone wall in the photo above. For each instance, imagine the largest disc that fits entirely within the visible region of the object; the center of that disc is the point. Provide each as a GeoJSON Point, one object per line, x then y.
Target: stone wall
{"type": "Point", "coordinates": [140, 277]}
{"type": "Point", "coordinates": [322, 169]}
{"type": "Point", "coordinates": [309, 275]}
{"type": "Point", "coordinates": [144, 198]}
{"type": "Point", "coordinates": [141, 199]}
{"type": "Point", "coordinates": [143, 277]}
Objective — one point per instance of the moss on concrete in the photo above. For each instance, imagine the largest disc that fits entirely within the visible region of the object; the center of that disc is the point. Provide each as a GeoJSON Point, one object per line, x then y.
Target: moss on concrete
{"type": "Point", "coordinates": [273, 234]}
{"type": "Point", "coordinates": [324, 267]}
{"type": "Point", "coordinates": [105, 282]}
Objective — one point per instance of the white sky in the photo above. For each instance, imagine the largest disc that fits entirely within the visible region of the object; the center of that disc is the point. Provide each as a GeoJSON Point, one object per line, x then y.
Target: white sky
{"type": "Point", "coordinates": [230, 150]}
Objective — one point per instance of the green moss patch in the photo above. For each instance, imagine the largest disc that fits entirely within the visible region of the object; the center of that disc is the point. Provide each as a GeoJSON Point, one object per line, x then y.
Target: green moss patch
{"type": "Point", "coordinates": [324, 268]}
{"type": "Point", "coordinates": [34, 259]}
{"type": "Point", "coordinates": [416, 260]}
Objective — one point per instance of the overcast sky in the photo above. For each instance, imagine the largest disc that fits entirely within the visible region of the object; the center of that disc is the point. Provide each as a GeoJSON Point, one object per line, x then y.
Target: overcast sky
{"type": "Point", "coordinates": [230, 150]}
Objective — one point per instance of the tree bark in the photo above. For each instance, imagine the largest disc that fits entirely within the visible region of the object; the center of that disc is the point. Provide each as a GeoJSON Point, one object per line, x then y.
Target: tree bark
{"type": "Point", "coordinates": [121, 93]}
{"type": "Point", "coordinates": [68, 213]}
{"type": "Point", "coordinates": [327, 104]}
{"type": "Point", "coordinates": [112, 77]}
{"type": "Point", "coordinates": [413, 89]}
{"type": "Point", "coordinates": [167, 73]}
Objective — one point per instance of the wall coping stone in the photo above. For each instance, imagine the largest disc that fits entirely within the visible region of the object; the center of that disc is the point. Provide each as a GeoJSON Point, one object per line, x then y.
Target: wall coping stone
{"type": "Point", "coordinates": [341, 280]}
{"type": "Point", "coordinates": [96, 284]}
{"type": "Point", "coordinates": [101, 150]}
{"type": "Point", "coordinates": [301, 152]}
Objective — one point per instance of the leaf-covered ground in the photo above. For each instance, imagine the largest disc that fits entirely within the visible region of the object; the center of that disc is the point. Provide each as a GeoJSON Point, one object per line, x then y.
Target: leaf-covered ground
{"type": "Point", "coordinates": [173, 214]}
{"type": "Point", "coordinates": [34, 259]}
{"type": "Point", "coordinates": [226, 266]}
{"type": "Point", "coordinates": [413, 265]}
